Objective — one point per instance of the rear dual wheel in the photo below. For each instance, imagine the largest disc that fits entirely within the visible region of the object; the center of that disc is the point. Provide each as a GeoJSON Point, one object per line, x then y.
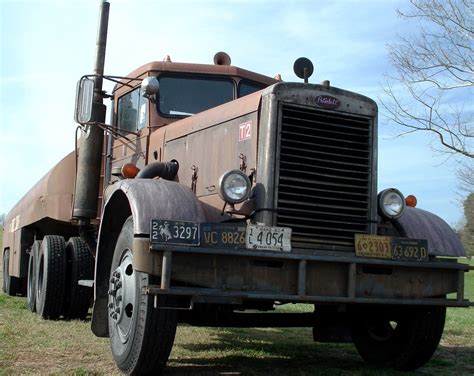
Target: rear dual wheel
{"type": "Point", "coordinates": [141, 336]}
{"type": "Point", "coordinates": [54, 271]}
{"type": "Point", "coordinates": [31, 282]}
{"type": "Point", "coordinates": [11, 285]}
{"type": "Point", "coordinates": [50, 277]}
{"type": "Point", "coordinates": [80, 266]}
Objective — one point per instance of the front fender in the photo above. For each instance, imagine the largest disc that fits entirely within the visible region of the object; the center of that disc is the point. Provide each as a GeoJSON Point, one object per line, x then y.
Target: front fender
{"type": "Point", "coordinates": [419, 224]}
{"type": "Point", "coordinates": [144, 199]}
{"type": "Point", "coordinates": [156, 199]}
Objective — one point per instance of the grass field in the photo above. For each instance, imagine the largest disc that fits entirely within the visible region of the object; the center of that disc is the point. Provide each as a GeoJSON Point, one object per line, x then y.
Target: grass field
{"type": "Point", "coordinates": [29, 345]}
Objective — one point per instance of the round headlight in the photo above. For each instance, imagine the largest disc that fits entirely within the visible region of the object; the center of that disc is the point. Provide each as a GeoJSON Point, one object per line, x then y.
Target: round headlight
{"type": "Point", "coordinates": [391, 203]}
{"type": "Point", "coordinates": [234, 186]}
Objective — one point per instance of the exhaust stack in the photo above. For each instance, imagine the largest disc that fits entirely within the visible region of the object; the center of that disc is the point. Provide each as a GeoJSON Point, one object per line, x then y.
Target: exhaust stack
{"type": "Point", "coordinates": [91, 142]}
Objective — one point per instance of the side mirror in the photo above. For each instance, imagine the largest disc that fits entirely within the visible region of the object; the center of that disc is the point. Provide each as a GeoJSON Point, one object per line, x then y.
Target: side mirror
{"type": "Point", "coordinates": [150, 87]}
{"type": "Point", "coordinates": [84, 99]}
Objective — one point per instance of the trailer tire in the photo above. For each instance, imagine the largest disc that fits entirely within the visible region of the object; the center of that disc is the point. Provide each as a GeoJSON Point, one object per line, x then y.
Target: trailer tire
{"type": "Point", "coordinates": [141, 336]}
{"type": "Point", "coordinates": [11, 285]}
{"type": "Point", "coordinates": [31, 280]}
{"type": "Point", "coordinates": [50, 277]}
{"type": "Point", "coordinates": [402, 338]}
{"type": "Point", "coordinates": [80, 265]}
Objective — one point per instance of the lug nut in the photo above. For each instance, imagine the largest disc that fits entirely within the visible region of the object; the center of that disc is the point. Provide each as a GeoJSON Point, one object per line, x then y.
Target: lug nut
{"type": "Point", "coordinates": [114, 316]}
{"type": "Point", "coordinates": [117, 310]}
{"type": "Point", "coordinates": [111, 305]}
{"type": "Point", "coordinates": [118, 285]}
{"type": "Point", "coordinates": [119, 298]}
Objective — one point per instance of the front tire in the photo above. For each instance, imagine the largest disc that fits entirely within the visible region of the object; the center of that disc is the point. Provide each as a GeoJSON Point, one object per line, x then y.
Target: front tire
{"type": "Point", "coordinates": [141, 336]}
{"type": "Point", "coordinates": [404, 338]}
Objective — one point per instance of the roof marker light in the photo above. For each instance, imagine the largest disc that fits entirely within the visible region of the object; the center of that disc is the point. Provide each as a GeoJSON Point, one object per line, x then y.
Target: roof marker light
{"type": "Point", "coordinates": [411, 201]}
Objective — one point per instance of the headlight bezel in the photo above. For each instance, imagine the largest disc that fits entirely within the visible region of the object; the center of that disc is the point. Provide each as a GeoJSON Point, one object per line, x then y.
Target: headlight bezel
{"type": "Point", "coordinates": [381, 205]}
{"type": "Point", "coordinates": [222, 185]}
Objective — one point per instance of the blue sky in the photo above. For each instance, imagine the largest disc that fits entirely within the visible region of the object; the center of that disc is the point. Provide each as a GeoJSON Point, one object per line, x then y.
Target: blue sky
{"type": "Point", "coordinates": [47, 45]}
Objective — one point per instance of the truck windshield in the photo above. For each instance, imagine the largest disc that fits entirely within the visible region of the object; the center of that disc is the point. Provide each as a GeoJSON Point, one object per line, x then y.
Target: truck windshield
{"type": "Point", "coordinates": [182, 96]}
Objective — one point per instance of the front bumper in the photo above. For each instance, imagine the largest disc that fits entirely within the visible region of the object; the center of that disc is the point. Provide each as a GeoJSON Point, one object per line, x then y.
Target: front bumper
{"type": "Point", "coordinates": [234, 276]}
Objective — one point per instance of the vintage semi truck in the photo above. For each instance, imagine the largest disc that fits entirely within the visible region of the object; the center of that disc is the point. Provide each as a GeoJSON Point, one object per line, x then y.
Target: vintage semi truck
{"type": "Point", "coordinates": [215, 195]}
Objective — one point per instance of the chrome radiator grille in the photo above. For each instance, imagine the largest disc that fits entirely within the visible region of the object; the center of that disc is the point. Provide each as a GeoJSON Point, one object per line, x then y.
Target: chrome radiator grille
{"type": "Point", "coordinates": [323, 176]}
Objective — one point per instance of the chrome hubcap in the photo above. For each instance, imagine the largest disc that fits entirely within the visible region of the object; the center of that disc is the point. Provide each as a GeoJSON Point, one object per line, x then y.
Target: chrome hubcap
{"type": "Point", "coordinates": [122, 296]}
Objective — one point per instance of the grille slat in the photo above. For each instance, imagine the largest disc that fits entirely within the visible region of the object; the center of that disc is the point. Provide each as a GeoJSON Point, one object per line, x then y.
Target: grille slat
{"type": "Point", "coordinates": [321, 175]}
{"type": "Point", "coordinates": [322, 138]}
{"type": "Point", "coordinates": [324, 125]}
{"type": "Point", "coordinates": [324, 176]}
{"type": "Point", "coordinates": [322, 154]}
{"type": "Point", "coordinates": [316, 183]}
{"type": "Point", "coordinates": [323, 168]}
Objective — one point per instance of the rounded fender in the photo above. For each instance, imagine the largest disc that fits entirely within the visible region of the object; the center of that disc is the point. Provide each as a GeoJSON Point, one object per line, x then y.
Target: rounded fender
{"type": "Point", "coordinates": [156, 199]}
{"type": "Point", "coordinates": [419, 224]}
{"type": "Point", "coordinates": [144, 199]}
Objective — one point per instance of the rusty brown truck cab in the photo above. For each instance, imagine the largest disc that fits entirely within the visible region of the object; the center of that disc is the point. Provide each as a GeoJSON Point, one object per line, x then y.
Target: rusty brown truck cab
{"type": "Point", "coordinates": [272, 199]}
{"type": "Point", "coordinates": [225, 194]}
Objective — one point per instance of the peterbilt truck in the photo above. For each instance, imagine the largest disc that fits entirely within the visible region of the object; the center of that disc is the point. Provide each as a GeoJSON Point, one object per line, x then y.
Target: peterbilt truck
{"type": "Point", "coordinates": [216, 194]}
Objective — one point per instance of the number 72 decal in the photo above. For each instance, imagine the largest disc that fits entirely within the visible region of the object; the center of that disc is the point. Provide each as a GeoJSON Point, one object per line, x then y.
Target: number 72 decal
{"type": "Point", "coordinates": [245, 130]}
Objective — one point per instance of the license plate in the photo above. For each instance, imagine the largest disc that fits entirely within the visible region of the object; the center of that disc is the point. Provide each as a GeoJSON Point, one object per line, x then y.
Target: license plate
{"type": "Point", "coordinates": [174, 232]}
{"type": "Point", "coordinates": [388, 247]}
{"type": "Point", "coordinates": [222, 235]}
{"type": "Point", "coordinates": [409, 249]}
{"type": "Point", "coordinates": [268, 238]}
{"type": "Point", "coordinates": [373, 246]}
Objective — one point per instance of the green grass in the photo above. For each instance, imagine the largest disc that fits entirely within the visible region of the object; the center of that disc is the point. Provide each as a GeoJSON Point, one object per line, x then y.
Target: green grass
{"type": "Point", "coordinates": [30, 345]}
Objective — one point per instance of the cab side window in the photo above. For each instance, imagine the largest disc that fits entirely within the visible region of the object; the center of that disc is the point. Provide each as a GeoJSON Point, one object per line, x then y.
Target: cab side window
{"type": "Point", "coordinates": [132, 111]}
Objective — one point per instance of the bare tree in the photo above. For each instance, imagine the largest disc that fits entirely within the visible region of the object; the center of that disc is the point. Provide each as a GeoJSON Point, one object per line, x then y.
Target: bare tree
{"type": "Point", "coordinates": [433, 88]}
{"type": "Point", "coordinates": [465, 175]}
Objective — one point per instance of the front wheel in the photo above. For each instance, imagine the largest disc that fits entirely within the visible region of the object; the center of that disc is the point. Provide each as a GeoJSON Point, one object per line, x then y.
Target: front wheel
{"type": "Point", "coordinates": [141, 336]}
{"type": "Point", "coordinates": [404, 338]}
